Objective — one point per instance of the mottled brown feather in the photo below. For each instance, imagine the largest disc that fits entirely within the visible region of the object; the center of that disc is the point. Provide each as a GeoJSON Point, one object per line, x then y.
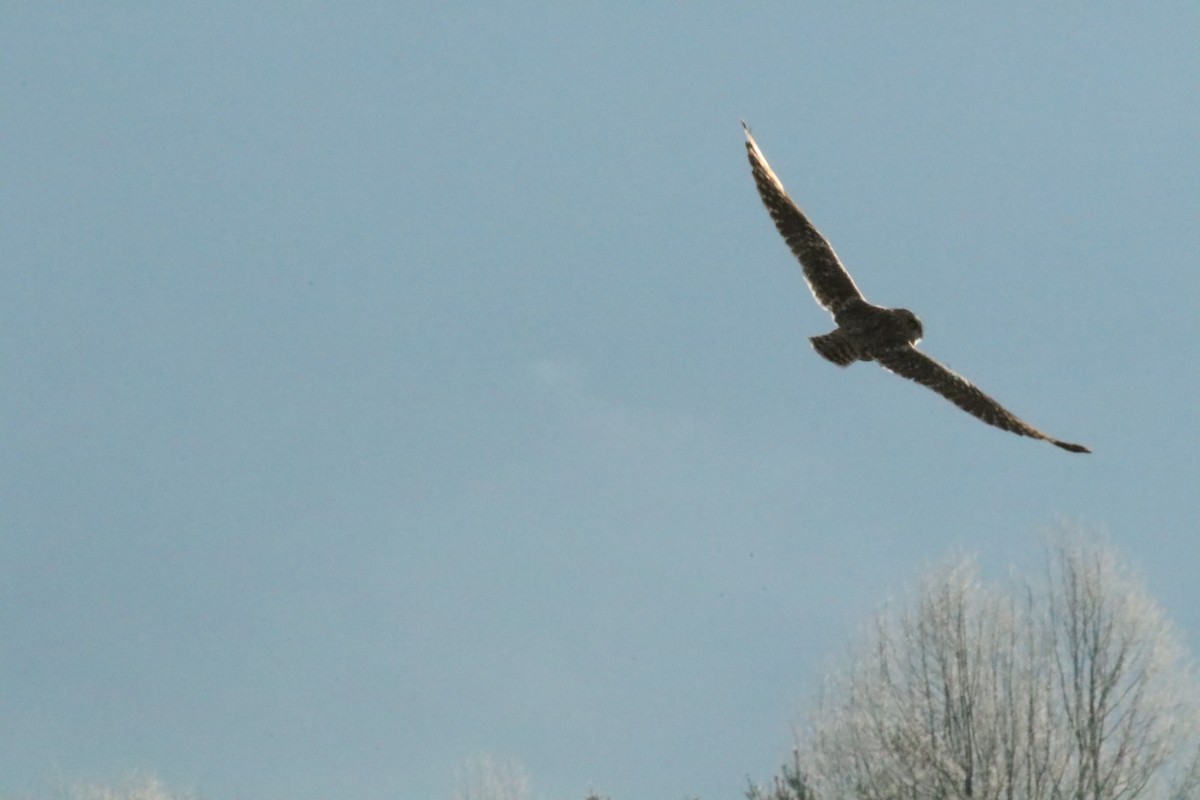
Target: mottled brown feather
{"type": "Point", "coordinates": [828, 280]}
{"type": "Point", "coordinates": [908, 362]}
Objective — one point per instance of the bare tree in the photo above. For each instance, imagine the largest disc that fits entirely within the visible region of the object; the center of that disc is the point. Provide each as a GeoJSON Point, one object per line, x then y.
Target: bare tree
{"type": "Point", "coordinates": [483, 777]}
{"type": "Point", "coordinates": [791, 784]}
{"type": "Point", "coordinates": [1115, 663]}
{"type": "Point", "coordinates": [1069, 687]}
{"type": "Point", "coordinates": [135, 786]}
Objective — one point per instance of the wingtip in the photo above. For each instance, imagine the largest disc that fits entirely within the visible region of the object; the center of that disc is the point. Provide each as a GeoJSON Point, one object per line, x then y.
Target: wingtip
{"type": "Point", "coordinates": [1073, 448]}
{"type": "Point", "coordinates": [746, 128]}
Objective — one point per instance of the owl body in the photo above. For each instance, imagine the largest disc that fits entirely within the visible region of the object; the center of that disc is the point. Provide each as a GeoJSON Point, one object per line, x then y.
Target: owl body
{"type": "Point", "coordinates": [865, 331]}
{"type": "Point", "coordinates": [875, 328]}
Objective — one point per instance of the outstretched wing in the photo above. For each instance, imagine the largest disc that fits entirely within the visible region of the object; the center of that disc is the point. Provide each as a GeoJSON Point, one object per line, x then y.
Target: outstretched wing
{"type": "Point", "coordinates": [831, 285]}
{"type": "Point", "coordinates": [911, 363]}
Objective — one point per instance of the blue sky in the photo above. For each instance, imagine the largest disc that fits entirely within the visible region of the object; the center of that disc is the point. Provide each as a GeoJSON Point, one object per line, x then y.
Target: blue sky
{"type": "Point", "coordinates": [387, 386]}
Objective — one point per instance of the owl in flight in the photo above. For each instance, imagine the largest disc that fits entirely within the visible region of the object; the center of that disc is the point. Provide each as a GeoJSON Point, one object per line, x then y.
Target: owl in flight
{"type": "Point", "coordinates": [867, 332]}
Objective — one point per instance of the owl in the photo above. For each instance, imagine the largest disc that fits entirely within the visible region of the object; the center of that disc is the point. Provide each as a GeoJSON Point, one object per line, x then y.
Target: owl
{"type": "Point", "coordinates": [867, 332]}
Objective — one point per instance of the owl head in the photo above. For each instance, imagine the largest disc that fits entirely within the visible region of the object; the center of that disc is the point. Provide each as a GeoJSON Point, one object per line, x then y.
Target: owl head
{"type": "Point", "coordinates": [911, 324]}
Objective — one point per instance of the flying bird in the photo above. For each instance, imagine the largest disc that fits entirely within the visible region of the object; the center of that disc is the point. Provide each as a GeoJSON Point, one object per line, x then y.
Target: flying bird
{"type": "Point", "coordinates": [867, 332]}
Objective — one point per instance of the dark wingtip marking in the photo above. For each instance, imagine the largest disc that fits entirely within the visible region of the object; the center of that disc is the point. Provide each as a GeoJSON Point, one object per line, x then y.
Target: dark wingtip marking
{"type": "Point", "coordinates": [1074, 448]}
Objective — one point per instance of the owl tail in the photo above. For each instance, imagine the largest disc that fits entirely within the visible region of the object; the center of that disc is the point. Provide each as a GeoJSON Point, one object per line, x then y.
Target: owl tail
{"type": "Point", "coordinates": [836, 347]}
